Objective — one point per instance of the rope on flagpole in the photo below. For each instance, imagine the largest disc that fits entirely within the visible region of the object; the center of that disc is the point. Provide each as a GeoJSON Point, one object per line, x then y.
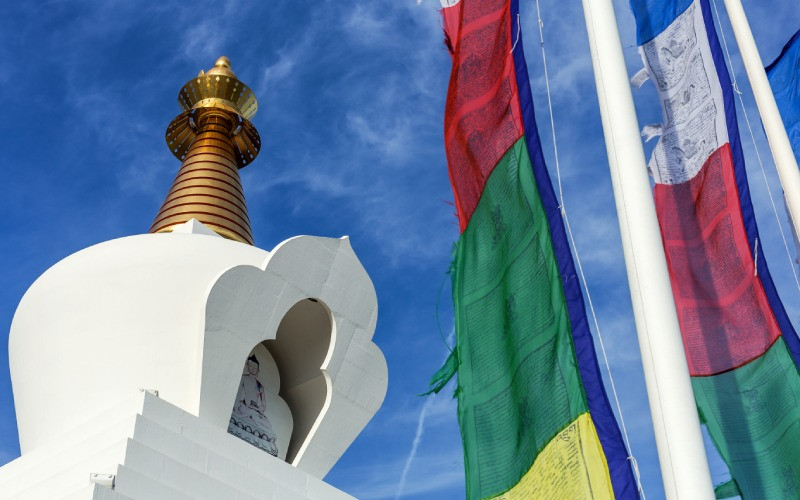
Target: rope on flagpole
{"type": "Point", "coordinates": [755, 147]}
{"type": "Point", "coordinates": [563, 209]}
{"type": "Point", "coordinates": [517, 39]}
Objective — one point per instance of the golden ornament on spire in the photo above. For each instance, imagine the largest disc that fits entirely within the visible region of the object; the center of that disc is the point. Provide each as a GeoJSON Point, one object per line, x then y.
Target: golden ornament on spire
{"type": "Point", "coordinates": [213, 138]}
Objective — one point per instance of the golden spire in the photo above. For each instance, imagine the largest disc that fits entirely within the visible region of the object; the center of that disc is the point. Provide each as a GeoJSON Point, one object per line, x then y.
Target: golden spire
{"type": "Point", "coordinates": [213, 138]}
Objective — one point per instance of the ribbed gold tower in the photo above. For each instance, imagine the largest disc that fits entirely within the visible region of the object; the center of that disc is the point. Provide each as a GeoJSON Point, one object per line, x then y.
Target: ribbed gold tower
{"type": "Point", "coordinates": [213, 138]}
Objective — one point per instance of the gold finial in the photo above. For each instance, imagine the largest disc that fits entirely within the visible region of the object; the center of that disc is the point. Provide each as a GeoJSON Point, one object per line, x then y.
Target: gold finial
{"type": "Point", "coordinates": [222, 67]}
{"type": "Point", "coordinates": [213, 138]}
{"type": "Point", "coordinates": [223, 62]}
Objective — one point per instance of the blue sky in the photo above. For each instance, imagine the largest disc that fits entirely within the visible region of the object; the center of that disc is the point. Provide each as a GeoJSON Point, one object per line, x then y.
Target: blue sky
{"type": "Point", "coordinates": [351, 98]}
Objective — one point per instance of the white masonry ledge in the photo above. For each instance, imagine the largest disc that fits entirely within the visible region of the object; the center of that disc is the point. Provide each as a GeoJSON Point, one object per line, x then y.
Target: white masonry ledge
{"type": "Point", "coordinates": [156, 451]}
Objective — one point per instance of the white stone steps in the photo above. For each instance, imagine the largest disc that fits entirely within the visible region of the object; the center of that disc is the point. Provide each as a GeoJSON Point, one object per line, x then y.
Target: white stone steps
{"type": "Point", "coordinates": [214, 452]}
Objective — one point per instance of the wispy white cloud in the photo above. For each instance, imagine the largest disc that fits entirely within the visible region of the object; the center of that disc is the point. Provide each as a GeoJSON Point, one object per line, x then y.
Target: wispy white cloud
{"type": "Point", "coordinates": [423, 415]}
{"type": "Point", "coordinates": [367, 24]}
{"type": "Point", "coordinates": [422, 420]}
{"type": "Point", "coordinates": [141, 159]}
{"type": "Point", "coordinates": [205, 37]}
{"type": "Point", "coordinates": [441, 408]}
{"type": "Point", "coordinates": [436, 474]}
{"type": "Point", "coordinates": [291, 55]}
{"type": "Point", "coordinates": [371, 154]}
{"type": "Point", "coordinates": [388, 137]}
{"type": "Point", "coordinates": [279, 70]}
{"type": "Point", "coordinates": [204, 40]}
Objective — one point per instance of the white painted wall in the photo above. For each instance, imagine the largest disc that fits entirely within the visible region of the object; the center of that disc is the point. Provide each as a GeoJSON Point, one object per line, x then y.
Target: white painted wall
{"type": "Point", "coordinates": [179, 313]}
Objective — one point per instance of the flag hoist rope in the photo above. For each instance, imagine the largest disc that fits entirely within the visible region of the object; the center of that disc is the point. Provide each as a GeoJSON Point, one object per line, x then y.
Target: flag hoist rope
{"type": "Point", "coordinates": [758, 154]}
{"type": "Point", "coordinates": [681, 451]}
{"type": "Point", "coordinates": [563, 208]}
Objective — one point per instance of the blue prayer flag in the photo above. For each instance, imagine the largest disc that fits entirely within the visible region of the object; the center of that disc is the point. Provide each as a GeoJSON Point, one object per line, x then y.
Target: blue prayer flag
{"type": "Point", "coordinates": [784, 77]}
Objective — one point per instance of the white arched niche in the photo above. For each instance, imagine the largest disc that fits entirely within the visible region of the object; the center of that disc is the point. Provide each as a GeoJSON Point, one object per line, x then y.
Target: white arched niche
{"type": "Point", "coordinates": [333, 377]}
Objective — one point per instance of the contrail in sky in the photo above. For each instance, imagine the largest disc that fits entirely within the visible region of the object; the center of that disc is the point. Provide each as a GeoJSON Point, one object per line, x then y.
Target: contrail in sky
{"type": "Point", "coordinates": [423, 414]}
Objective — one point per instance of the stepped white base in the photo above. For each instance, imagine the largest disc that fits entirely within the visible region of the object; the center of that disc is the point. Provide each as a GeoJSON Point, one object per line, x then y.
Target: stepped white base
{"type": "Point", "coordinates": [155, 451]}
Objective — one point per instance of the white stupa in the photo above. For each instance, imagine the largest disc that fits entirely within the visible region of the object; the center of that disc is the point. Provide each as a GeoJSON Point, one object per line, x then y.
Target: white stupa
{"type": "Point", "coordinates": [187, 363]}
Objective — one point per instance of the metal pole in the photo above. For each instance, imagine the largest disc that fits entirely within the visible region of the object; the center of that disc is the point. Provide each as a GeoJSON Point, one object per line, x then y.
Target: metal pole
{"type": "Point", "coordinates": [778, 139]}
{"type": "Point", "coordinates": [684, 467]}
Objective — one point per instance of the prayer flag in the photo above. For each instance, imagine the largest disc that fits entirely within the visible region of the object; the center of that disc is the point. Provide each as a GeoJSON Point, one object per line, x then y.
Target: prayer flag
{"type": "Point", "coordinates": [534, 416]}
{"type": "Point", "coordinates": [742, 350]}
{"type": "Point", "coordinates": [784, 77]}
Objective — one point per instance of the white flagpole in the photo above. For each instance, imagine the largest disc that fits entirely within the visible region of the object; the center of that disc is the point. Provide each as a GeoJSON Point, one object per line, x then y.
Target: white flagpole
{"type": "Point", "coordinates": [684, 467]}
{"type": "Point", "coordinates": [778, 139]}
